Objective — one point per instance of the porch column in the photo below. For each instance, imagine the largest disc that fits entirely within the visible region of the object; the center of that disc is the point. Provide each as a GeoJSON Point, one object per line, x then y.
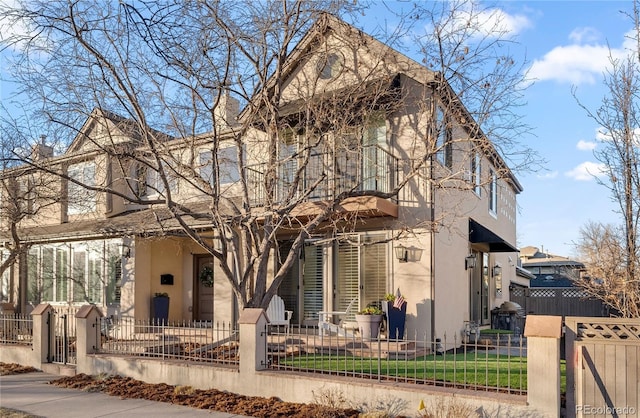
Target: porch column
{"type": "Point", "coordinates": [42, 333]}
{"type": "Point", "coordinates": [543, 334]}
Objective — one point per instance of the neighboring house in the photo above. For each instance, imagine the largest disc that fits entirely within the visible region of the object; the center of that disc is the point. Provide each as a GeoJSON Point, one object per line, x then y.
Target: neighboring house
{"type": "Point", "coordinates": [549, 270]}
{"type": "Point", "coordinates": [99, 248]}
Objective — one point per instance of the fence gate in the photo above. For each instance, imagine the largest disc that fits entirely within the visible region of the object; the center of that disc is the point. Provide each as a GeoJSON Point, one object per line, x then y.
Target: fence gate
{"type": "Point", "coordinates": [603, 367]}
{"type": "Point", "coordinates": [62, 338]}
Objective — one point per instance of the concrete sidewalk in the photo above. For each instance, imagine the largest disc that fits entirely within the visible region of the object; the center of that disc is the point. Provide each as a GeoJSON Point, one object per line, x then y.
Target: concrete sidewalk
{"type": "Point", "coordinates": [31, 393]}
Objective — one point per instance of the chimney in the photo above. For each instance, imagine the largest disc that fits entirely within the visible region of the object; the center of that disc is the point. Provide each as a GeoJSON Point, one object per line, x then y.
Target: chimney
{"type": "Point", "coordinates": [41, 150]}
{"type": "Point", "coordinates": [226, 112]}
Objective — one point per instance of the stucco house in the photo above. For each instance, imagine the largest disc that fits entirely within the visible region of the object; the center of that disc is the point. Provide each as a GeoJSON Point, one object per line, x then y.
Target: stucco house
{"type": "Point", "coordinates": [455, 265]}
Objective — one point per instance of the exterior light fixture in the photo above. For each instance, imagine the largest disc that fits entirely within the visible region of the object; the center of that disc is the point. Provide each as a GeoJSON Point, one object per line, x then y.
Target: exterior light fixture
{"type": "Point", "coordinates": [470, 261]}
{"type": "Point", "coordinates": [402, 253]}
{"type": "Point", "coordinates": [497, 270]}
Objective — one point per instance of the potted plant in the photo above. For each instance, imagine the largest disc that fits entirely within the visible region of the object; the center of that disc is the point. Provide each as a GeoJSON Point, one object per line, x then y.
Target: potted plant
{"type": "Point", "coordinates": [369, 320]}
{"type": "Point", "coordinates": [160, 308]}
{"type": "Point", "coordinates": [395, 311]}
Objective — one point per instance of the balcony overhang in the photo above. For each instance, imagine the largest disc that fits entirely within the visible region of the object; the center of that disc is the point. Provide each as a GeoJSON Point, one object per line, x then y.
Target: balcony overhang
{"type": "Point", "coordinates": [364, 206]}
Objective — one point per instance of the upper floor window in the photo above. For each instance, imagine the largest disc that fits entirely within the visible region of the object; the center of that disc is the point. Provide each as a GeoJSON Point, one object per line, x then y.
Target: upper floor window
{"type": "Point", "coordinates": [444, 149]}
{"type": "Point", "coordinates": [81, 199]}
{"type": "Point", "coordinates": [227, 166]}
{"type": "Point", "coordinates": [150, 181]}
{"type": "Point", "coordinates": [493, 192]}
{"type": "Point", "coordinates": [476, 172]}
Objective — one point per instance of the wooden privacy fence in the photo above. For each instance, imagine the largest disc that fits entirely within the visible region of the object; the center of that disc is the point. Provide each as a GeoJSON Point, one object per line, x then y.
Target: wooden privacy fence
{"type": "Point", "coordinates": [603, 367]}
{"type": "Point", "coordinates": [560, 301]}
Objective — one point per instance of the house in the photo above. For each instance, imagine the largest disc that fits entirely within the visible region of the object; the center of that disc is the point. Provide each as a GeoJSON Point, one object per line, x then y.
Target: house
{"type": "Point", "coordinates": [381, 122]}
{"type": "Point", "coordinates": [549, 270]}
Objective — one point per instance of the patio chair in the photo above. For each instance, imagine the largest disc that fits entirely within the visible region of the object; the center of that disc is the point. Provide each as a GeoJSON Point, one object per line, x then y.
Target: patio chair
{"type": "Point", "coordinates": [325, 326]}
{"type": "Point", "coordinates": [277, 313]}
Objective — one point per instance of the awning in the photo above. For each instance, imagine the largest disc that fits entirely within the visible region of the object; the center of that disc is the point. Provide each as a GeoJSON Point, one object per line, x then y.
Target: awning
{"type": "Point", "coordinates": [479, 234]}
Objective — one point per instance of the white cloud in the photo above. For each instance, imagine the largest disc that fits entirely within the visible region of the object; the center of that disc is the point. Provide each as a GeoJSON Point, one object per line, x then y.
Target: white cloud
{"type": "Point", "coordinates": [573, 64]}
{"type": "Point", "coordinates": [486, 23]}
{"type": "Point", "coordinates": [547, 176]}
{"type": "Point", "coordinates": [587, 171]}
{"type": "Point", "coordinates": [586, 145]}
{"type": "Point", "coordinates": [584, 35]}
{"type": "Point", "coordinates": [499, 19]}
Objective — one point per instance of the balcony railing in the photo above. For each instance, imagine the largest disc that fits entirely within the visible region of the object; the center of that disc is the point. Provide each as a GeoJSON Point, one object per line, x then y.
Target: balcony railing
{"type": "Point", "coordinates": [326, 175]}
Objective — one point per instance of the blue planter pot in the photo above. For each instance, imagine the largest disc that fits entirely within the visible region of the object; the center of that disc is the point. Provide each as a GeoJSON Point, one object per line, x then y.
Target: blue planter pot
{"type": "Point", "coordinates": [395, 319]}
{"type": "Point", "coordinates": [160, 310]}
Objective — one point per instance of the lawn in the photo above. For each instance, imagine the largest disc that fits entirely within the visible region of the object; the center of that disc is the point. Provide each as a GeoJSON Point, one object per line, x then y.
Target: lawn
{"type": "Point", "coordinates": [470, 369]}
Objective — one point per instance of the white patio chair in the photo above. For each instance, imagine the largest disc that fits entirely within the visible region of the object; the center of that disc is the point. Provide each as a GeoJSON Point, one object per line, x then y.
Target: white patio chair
{"type": "Point", "coordinates": [325, 326]}
{"type": "Point", "coordinates": [277, 313]}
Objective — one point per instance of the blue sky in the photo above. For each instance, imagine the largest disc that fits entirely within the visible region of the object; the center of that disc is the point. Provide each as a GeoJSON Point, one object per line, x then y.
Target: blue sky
{"type": "Point", "coordinates": [566, 44]}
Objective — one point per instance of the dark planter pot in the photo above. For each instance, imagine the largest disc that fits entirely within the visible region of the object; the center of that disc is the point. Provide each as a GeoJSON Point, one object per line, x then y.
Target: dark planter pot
{"type": "Point", "coordinates": [369, 326]}
{"type": "Point", "coordinates": [160, 310]}
{"type": "Point", "coordinates": [395, 319]}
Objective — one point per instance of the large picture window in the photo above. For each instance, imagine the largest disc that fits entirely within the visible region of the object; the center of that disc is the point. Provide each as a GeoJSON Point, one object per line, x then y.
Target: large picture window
{"type": "Point", "coordinates": [81, 272]}
{"type": "Point", "coordinates": [361, 271]}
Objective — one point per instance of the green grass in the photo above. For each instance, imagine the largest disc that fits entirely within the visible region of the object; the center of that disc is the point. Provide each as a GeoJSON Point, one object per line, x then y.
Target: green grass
{"type": "Point", "coordinates": [495, 332]}
{"type": "Point", "coordinates": [468, 369]}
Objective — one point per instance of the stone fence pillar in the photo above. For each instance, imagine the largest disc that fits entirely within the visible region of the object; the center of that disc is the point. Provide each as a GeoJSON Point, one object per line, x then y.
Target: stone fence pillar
{"type": "Point", "coordinates": [543, 334]}
{"type": "Point", "coordinates": [87, 336]}
{"type": "Point", "coordinates": [42, 333]}
{"type": "Point", "coordinates": [253, 341]}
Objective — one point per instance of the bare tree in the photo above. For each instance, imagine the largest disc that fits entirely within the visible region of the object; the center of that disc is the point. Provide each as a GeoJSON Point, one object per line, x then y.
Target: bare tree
{"type": "Point", "coordinates": [25, 193]}
{"type": "Point", "coordinates": [603, 247]}
{"type": "Point", "coordinates": [173, 70]}
{"type": "Point", "coordinates": [619, 152]}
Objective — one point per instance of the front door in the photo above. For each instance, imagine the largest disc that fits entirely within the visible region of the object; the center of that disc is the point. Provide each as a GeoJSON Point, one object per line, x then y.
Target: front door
{"type": "Point", "coordinates": [203, 298]}
{"type": "Point", "coordinates": [479, 298]}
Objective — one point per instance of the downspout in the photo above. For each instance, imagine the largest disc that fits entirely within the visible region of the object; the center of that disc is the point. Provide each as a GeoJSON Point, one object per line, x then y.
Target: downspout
{"type": "Point", "coordinates": [432, 260]}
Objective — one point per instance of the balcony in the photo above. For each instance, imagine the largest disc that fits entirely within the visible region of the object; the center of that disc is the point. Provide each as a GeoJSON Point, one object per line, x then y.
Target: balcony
{"type": "Point", "coordinates": [370, 169]}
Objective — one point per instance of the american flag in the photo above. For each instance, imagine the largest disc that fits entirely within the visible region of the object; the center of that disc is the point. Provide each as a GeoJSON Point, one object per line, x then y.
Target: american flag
{"type": "Point", "coordinates": [398, 302]}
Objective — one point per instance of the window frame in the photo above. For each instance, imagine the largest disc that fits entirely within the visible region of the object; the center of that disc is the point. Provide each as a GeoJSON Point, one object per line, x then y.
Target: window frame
{"type": "Point", "coordinates": [493, 192]}
{"type": "Point", "coordinates": [476, 173]}
{"type": "Point", "coordinates": [443, 138]}
{"type": "Point", "coordinates": [81, 200]}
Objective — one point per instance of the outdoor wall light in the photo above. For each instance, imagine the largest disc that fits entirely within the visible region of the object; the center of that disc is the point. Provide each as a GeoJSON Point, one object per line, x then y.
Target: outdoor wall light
{"type": "Point", "coordinates": [402, 253]}
{"type": "Point", "coordinates": [497, 270]}
{"type": "Point", "coordinates": [470, 261]}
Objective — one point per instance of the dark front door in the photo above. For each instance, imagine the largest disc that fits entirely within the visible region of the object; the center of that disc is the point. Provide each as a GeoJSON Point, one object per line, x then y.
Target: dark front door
{"type": "Point", "coordinates": [203, 298]}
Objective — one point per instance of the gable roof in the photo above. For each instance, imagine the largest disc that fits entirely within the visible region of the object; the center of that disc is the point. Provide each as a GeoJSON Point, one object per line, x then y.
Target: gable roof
{"type": "Point", "coordinates": [396, 63]}
{"type": "Point", "coordinates": [119, 130]}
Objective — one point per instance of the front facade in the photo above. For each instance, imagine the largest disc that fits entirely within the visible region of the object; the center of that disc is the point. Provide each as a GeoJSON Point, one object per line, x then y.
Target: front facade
{"type": "Point", "coordinates": [445, 241]}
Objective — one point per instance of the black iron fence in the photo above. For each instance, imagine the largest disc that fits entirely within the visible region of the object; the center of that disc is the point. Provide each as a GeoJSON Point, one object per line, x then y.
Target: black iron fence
{"type": "Point", "coordinates": [485, 363]}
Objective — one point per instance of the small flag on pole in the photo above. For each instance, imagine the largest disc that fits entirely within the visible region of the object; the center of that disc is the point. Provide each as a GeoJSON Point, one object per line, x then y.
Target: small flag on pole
{"type": "Point", "coordinates": [398, 302]}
